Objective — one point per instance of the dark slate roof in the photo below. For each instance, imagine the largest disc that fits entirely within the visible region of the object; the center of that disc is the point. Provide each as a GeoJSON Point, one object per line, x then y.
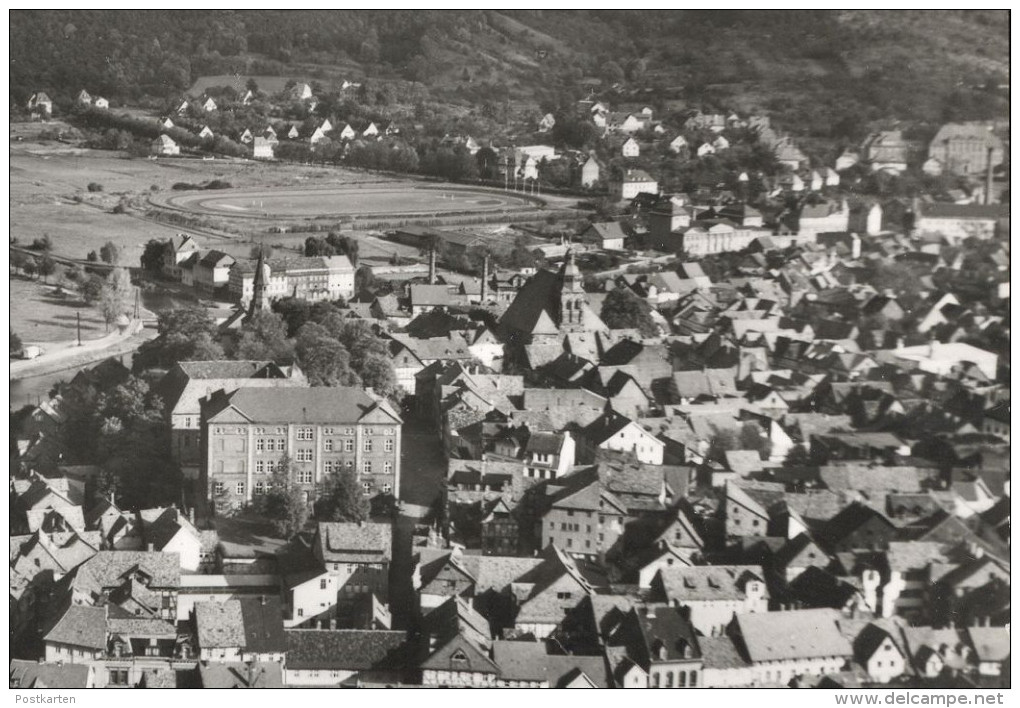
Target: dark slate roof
{"type": "Point", "coordinates": [340, 542]}
{"type": "Point", "coordinates": [297, 405]}
{"type": "Point", "coordinates": [796, 635]}
{"type": "Point", "coordinates": [78, 626]}
{"type": "Point", "coordinates": [263, 624]}
{"type": "Point", "coordinates": [36, 674]}
{"type": "Point", "coordinates": [107, 569]}
{"type": "Point", "coordinates": [348, 649]}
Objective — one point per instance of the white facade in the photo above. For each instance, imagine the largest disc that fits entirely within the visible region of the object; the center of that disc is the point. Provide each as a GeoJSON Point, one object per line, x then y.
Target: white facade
{"type": "Point", "coordinates": [633, 438]}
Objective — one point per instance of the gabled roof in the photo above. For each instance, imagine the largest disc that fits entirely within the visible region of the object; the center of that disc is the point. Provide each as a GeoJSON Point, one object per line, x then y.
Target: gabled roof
{"type": "Point", "coordinates": [305, 405]}
{"type": "Point", "coordinates": [348, 650]}
{"type": "Point", "coordinates": [77, 626]}
{"type": "Point", "coordinates": [340, 542]}
{"type": "Point", "coordinates": [37, 674]}
{"type": "Point", "coordinates": [705, 583]}
{"type": "Point", "coordinates": [460, 654]}
{"type": "Point", "coordinates": [793, 635]}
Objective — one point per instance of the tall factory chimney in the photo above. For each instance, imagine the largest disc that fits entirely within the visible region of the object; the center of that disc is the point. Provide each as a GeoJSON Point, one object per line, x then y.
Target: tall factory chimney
{"type": "Point", "coordinates": [485, 278]}
{"type": "Point", "coordinates": [988, 176]}
{"type": "Point", "coordinates": [432, 265]}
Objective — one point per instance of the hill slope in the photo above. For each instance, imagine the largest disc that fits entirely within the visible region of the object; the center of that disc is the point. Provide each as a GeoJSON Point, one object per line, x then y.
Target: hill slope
{"type": "Point", "coordinates": [809, 69]}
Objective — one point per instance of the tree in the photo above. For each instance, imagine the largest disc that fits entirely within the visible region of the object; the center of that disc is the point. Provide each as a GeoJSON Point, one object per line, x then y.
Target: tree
{"type": "Point", "coordinates": [612, 72]}
{"type": "Point", "coordinates": [263, 337]}
{"type": "Point", "coordinates": [283, 504]}
{"type": "Point", "coordinates": [752, 437]}
{"type": "Point", "coordinates": [341, 499]}
{"type": "Point", "coordinates": [324, 360]}
{"type": "Point", "coordinates": [377, 372]}
{"type": "Point", "coordinates": [347, 245]}
{"type": "Point", "coordinates": [622, 309]}
{"type": "Point", "coordinates": [317, 246]}
{"type": "Point", "coordinates": [252, 86]}
{"type": "Point", "coordinates": [181, 332]}
{"type": "Point", "coordinates": [47, 266]}
{"type": "Point", "coordinates": [92, 257]}
{"type": "Point", "coordinates": [364, 279]}
{"type": "Point", "coordinates": [18, 260]}
{"type": "Point", "coordinates": [15, 343]}
{"type": "Point", "coordinates": [91, 289]}
{"type": "Point", "coordinates": [267, 251]}
{"type": "Point", "coordinates": [30, 267]}
{"type": "Point", "coordinates": [152, 255]}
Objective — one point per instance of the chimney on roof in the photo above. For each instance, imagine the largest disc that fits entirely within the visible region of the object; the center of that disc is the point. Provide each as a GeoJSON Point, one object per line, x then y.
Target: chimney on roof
{"type": "Point", "coordinates": [432, 265]}
{"type": "Point", "coordinates": [150, 548]}
{"type": "Point", "coordinates": [988, 177]}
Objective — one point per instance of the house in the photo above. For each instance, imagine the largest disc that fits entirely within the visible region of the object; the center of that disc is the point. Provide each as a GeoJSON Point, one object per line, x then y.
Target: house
{"type": "Point", "coordinates": [582, 516]}
{"type": "Point", "coordinates": [411, 356]}
{"type": "Point", "coordinates": [781, 645]}
{"type": "Point", "coordinates": [240, 631]}
{"type": "Point", "coordinates": [168, 531]}
{"type": "Point", "coordinates": [789, 155]}
{"type": "Point", "coordinates": [957, 222]}
{"type": "Point", "coordinates": [547, 123]}
{"type": "Point", "coordinates": [371, 131]}
{"type": "Point", "coordinates": [886, 150]}
{"type": "Point", "coordinates": [548, 455]}
{"type": "Point", "coordinates": [237, 675]}
{"type": "Point", "coordinates": [879, 648]}
{"type": "Point", "coordinates": [206, 133]}
{"type": "Point", "coordinates": [293, 133]}
{"type": "Point", "coordinates": [590, 172]}
{"type": "Point", "coordinates": [613, 431]}
{"type": "Point", "coordinates": [633, 182]}
{"type": "Point", "coordinates": [711, 595]}
{"type": "Point", "coordinates": [166, 123]}
{"type": "Point", "coordinates": [678, 144]}
{"type": "Point", "coordinates": [705, 149]}
{"type": "Point", "coordinates": [996, 421]}
{"type": "Point", "coordinates": [245, 434]}
{"type": "Point", "coordinates": [209, 105]}
{"type": "Point", "coordinates": [552, 588]}
{"type": "Point", "coordinates": [606, 235]}
{"type": "Point", "coordinates": [347, 657]}
{"type": "Point", "coordinates": [24, 674]}
{"type": "Point", "coordinates": [101, 103]}
{"type": "Point", "coordinates": [83, 98]}
{"type": "Point", "coordinates": [631, 148]}
{"type": "Point", "coordinates": [966, 148]}
{"type": "Point", "coordinates": [317, 136]}
{"type": "Point", "coordinates": [41, 103]}
{"type": "Point", "coordinates": [425, 298]}
{"type": "Point", "coordinates": [301, 92]}
{"type": "Point", "coordinates": [328, 574]}
{"type": "Point", "coordinates": [526, 664]}
{"type": "Point", "coordinates": [164, 145]}
{"type": "Point", "coordinates": [212, 271]}
{"type": "Point", "coordinates": [655, 646]}
{"type": "Point", "coordinates": [348, 133]}
{"type": "Point", "coordinates": [262, 148]}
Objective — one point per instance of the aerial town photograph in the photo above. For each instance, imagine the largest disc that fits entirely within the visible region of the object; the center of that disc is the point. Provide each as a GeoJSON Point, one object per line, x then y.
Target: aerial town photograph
{"type": "Point", "coordinates": [510, 349]}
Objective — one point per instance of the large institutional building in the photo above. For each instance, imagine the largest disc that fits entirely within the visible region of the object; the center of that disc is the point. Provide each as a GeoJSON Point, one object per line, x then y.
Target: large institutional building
{"type": "Point", "coordinates": [247, 433]}
{"type": "Point", "coordinates": [311, 278]}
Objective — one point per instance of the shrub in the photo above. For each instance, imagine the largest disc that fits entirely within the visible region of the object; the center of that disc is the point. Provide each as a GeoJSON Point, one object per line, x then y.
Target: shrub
{"type": "Point", "coordinates": [95, 187]}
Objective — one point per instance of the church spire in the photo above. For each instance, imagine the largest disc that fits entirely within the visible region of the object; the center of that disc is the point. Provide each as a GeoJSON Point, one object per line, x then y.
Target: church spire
{"type": "Point", "coordinates": [259, 295]}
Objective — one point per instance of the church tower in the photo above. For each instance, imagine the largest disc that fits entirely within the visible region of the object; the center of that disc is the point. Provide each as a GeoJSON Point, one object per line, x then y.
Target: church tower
{"type": "Point", "coordinates": [260, 287]}
{"type": "Point", "coordinates": [572, 296]}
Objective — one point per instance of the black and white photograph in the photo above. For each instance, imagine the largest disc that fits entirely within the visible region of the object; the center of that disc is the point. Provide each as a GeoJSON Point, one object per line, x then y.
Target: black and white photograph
{"type": "Point", "coordinates": [510, 348]}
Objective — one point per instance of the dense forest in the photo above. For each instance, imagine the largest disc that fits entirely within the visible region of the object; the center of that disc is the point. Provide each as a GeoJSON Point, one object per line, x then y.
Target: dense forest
{"type": "Point", "coordinates": [810, 70]}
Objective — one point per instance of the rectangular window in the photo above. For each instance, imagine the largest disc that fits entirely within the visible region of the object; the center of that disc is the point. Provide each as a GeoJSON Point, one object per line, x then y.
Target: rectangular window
{"type": "Point", "coordinates": [367, 467]}
{"type": "Point", "coordinates": [387, 468]}
{"type": "Point", "coordinates": [260, 488]}
{"type": "Point", "coordinates": [240, 488]}
{"type": "Point", "coordinates": [387, 488]}
{"type": "Point", "coordinates": [304, 477]}
{"type": "Point", "coordinates": [260, 444]}
{"type": "Point", "coordinates": [388, 446]}
{"type": "Point", "coordinates": [322, 584]}
{"type": "Point", "coordinates": [367, 486]}
{"type": "Point", "coordinates": [260, 466]}
{"type": "Point", "coordinates": [300, 612]}
{"type": "Point", "coordinates": [368, 445]}
{"type": "Point", "coordinates": [348, 446]}
{"type": "Point", "coordinates": [328, 446]}
{"type": "Point", "coordinates": [218, 488]}
{"type": "Point", "coordinates": [306, 434]}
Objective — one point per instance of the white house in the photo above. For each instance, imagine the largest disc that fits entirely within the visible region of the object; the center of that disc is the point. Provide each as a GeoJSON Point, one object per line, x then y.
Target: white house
{"type": "Point", "coordinates": [209, 105]}
{"type": "Point", "coordinates": [713, 594]}
{"type": "Point", "coordinates": [326, 126]}
{"type": "Point", "coordinates": [165, 145]}
{"type": "Point", "coordinates": [101, 102]}
{"type": "Point", "coordinates": [590, 172]}
{"type": "Point", "coordinates": [631, 148]}
{"type": "Point", "coordinates": [371, 131]}
{"type": "Point", "coordinates": [613, 431]}
{"type": "Point", "coordinates": [706, 149]}
{"type": "Point", "coordinates": [348, 133]}
{"type": "Point", "coordinates": [678, 143]}
{"type": "Point", "coordinates": [205, 133]}
{"type": "Point", "coordinates": [633, 183]}
{"type": "Point", "coordinates": [167, 123]}
{"type": "Point", "coordinates": [246, 136]}
{"type": "Point", "coordinates": [317, 137]}
{"type": "Point", "coordinates": [262, 149]}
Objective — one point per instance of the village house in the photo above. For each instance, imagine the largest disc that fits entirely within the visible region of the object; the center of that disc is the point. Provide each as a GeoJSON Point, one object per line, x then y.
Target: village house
{"type": "Point", "coordinates": [632, 183]}
{"type": "Point", "coordinates": [966, 148]}
{"type": "Point", "coordinates": [165, 145]}
{"type": "Point", "coordinates": [40, 104]}
{"type": "Point", "coordinates": [711, 595]}
{"type": "Point", "coordinates": [320, 658]}
{"type": "Point", "coordinates": [240, 631]}
{"type": "Point", "coordinates": [590, 172]}
{"type": "Point", "coordinates": [608, 235]}
{"type": "Point", "coordinates": [262, 148]}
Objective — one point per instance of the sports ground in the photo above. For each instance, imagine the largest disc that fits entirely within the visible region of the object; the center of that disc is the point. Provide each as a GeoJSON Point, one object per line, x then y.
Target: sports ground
{"type": "Point", "coordinates": [349, 201]}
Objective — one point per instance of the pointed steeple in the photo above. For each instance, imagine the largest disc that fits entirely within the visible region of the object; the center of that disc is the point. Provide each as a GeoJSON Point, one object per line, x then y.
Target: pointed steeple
{"type": "Point", "coordinates": [259, 295]}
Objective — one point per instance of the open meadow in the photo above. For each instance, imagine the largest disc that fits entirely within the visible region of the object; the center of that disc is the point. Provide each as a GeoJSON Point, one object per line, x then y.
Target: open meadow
{"type": "Point", "coordinates": [40, 314]}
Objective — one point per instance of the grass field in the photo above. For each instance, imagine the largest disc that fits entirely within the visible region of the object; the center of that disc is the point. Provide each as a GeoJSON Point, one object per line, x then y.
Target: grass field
{"type": "Point", "coordinates": [40, 316]}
